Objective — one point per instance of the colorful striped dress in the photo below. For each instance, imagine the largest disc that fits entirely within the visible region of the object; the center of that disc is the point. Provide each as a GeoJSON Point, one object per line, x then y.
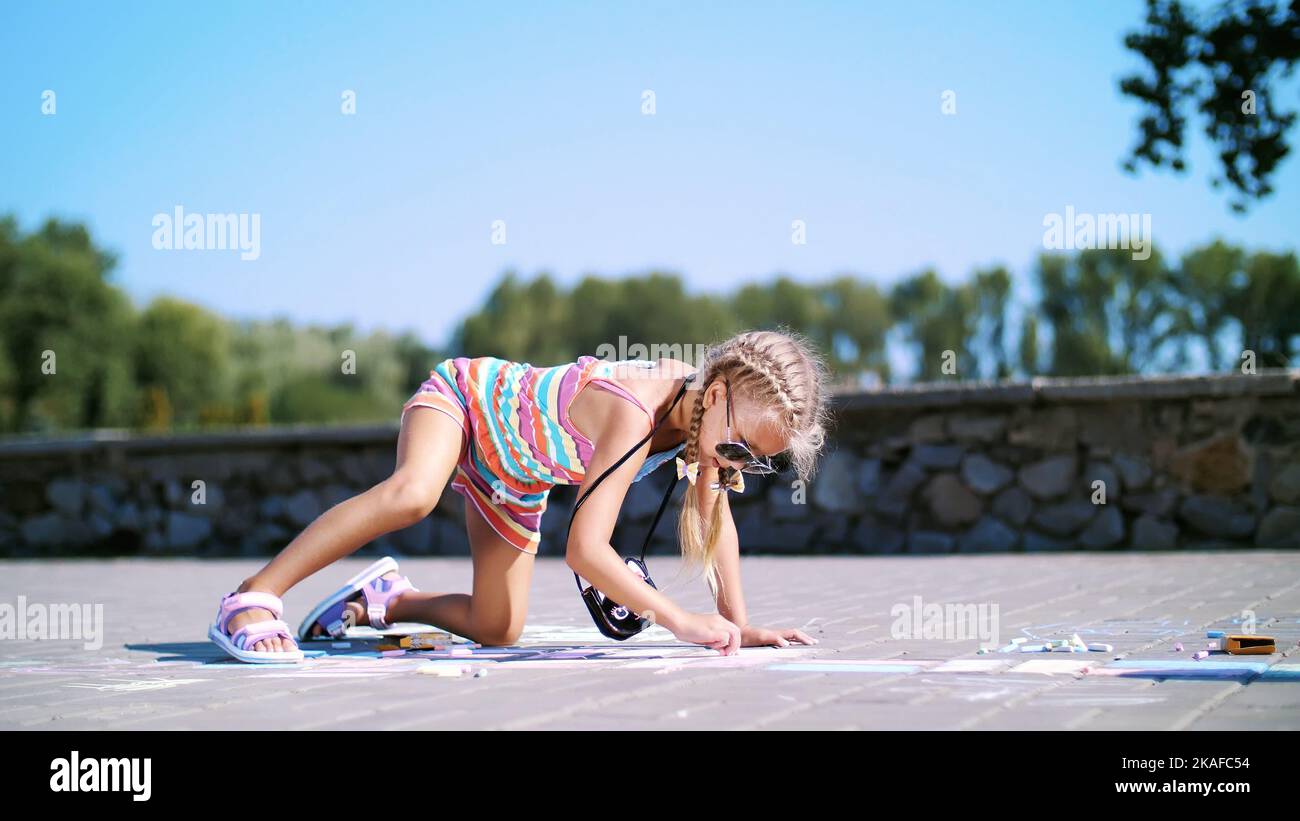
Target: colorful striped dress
{"type": "Point", "coordinates": [520, 441]}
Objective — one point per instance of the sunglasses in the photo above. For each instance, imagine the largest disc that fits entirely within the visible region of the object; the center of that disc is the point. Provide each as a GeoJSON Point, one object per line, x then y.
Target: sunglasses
{"type": "Point", "coordinates": [739, 451]}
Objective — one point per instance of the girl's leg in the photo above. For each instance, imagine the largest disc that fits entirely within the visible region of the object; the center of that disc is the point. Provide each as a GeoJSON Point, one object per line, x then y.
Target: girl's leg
{"type": "Point", "coordinates": [494, 614]}
{"type": "Point", "coordinates": [428, 448]}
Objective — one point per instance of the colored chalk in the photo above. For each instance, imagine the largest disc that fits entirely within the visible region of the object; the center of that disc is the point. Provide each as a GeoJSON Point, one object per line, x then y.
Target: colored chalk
{"type": "Point", "coordinates": [1034, 648]}
{"type": "Point", "coordinates": [1102, 648]}
{"type": "Point", "coordinates": [1215, 634]}
{"type": "Point", "coordinates": [1201, 654]}
{"type": "Point", "coordinates": [1178, 647]}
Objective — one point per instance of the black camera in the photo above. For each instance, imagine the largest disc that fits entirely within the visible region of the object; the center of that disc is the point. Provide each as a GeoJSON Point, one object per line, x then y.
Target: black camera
{"type": "Point", "coordinates": [613, 619]}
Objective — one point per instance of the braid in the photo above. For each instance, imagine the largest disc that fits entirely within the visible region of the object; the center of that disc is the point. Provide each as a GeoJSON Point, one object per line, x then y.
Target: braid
{"type": "Point", "coordinates": [782, 376]}
{"type": "Point", "coordinates": [693, 431]}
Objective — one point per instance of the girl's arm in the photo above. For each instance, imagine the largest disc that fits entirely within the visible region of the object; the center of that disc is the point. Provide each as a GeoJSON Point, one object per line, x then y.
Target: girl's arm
{"type": "Point", "coordinates": [589, 553]}
{"type": "Point", "coordinates": [730, 597]}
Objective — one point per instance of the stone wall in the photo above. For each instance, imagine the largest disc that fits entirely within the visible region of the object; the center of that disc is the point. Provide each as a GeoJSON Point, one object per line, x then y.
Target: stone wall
{"type": "Point", "coordinates": [1145, 463]}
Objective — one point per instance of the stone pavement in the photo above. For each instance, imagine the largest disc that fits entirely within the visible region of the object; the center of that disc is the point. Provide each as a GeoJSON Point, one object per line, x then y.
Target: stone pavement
{"type": "Point", "coordinates": [155, 668]}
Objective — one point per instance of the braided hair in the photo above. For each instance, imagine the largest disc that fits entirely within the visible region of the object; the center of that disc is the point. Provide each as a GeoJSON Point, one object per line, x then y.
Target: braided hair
{"type": "Point", "coordinates": [780, 374]}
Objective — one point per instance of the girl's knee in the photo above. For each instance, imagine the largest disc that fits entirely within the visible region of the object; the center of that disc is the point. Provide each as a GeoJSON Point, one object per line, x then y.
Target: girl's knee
{"type": "Point", "coordinates": [503, 635]}
{"type": "Point", "coordinates": [409, 498]}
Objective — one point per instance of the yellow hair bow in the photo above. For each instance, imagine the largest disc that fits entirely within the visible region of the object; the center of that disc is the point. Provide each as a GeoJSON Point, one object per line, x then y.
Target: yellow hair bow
{"type": "Point", "coordinates": [736, 484]}
{"type": "Point", "coordinates": [691, 471]}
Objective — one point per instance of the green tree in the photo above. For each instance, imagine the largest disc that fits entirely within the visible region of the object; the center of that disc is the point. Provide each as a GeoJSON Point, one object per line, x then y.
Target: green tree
{"type": "Point", "coordinates": [1229, 62]}
{"type": "Point", "coordinates": [991, 289]}
{"type": "Point", "coordinates": [1267, 307]}
{"type": "Point", "coordinates": [940, 320]}
{"type": "Point", "coordinates": [855, 325]}
{"type": "Point", "coordinates": [1202, 288]}
{"type": "Point", "coordinates": [184, 352]}
{"type": "Point", "coordinates": [66, 329]}
{"type": "Point", "coordinates": [1108, 313]}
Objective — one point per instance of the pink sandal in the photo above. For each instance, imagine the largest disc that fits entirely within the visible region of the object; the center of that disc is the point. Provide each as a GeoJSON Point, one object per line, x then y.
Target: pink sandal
{"type": "Point", "coordinates": [241, 643]}
{"type": "Point", "coordinates": [376, 591]}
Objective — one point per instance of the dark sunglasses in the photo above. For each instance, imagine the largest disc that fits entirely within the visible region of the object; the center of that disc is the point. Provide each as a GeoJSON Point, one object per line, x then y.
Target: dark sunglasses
{"type": "Point", "coordinates": [738, 451]}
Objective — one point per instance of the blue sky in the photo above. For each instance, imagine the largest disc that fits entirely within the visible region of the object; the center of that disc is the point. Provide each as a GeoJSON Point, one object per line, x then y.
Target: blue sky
{"type": "Point", "coordinates": [531, 113]}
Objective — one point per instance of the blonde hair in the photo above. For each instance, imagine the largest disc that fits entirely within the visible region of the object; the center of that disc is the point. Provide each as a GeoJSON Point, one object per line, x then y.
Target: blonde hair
{"type": "Point", "coordinates": [783, 375]}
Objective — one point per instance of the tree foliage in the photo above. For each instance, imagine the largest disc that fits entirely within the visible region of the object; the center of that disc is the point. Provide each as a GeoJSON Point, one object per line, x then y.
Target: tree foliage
{"type": "Point", "coordinates": [1230, 63]}
{"type": "Point", "coordinates": [75, 353]}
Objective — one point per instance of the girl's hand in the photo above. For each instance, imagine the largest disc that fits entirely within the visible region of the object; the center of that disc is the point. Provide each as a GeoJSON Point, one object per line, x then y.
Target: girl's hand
{"type": "Point", "coordinates": [711, 631]}
{"type": "Point", "coordinates": [752, 636]}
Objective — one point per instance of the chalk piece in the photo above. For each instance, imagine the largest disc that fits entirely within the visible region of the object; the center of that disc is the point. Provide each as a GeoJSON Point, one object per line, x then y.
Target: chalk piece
{"type": "Point", "coordinates": [1034, 648]}
{"type": "Point", "coordinates": [1178, 647]}
{"type": "Point", "coordinates": [1019, 640]}
{"type": "Point", "coordinates": [1201, 654]}
{"type": "Point", "coordinates": [1215, 634]}
{"type": "Point", "coordinates": [480, 674]}
{"type": "Point", "coordinates": [1102, 648]}
{"type": "Point", "coordinates": [981, 651]}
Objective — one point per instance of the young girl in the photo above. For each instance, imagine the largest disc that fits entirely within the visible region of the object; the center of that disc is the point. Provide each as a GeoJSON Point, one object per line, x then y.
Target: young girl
{"type": "Point", "coordinates": [504, 433]}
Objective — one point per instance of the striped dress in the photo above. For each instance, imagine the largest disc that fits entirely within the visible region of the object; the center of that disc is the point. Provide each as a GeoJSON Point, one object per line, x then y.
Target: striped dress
{"type": "Point", "coordinates": [519, 439]}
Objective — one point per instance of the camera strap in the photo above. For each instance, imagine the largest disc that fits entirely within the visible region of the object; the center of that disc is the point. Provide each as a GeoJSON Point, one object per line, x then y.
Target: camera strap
{"type": "Point", "coordinates": [667, 495]}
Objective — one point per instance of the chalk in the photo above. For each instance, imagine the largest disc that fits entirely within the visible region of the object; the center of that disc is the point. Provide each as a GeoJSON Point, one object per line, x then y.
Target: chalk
{"type": "Point", "coordinates": [1178, 647]}
{"type": "Point", "coordinates": [1102, 648]}
{"type": "Point", "coordinates": [1078, 644]}
{"type": "Point", "coordinates": [1201, 654]}
{"type": "Point", "coordinates": [981, 651]}
{"type": "Point", "coordinates": [391, 653]}
{"type": "Point", "coordinates": [1215, 634]}
{"type": "Point", "coordinates": [1034, 648]}
{"type": "Point", "coordinates": [480, 673]}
